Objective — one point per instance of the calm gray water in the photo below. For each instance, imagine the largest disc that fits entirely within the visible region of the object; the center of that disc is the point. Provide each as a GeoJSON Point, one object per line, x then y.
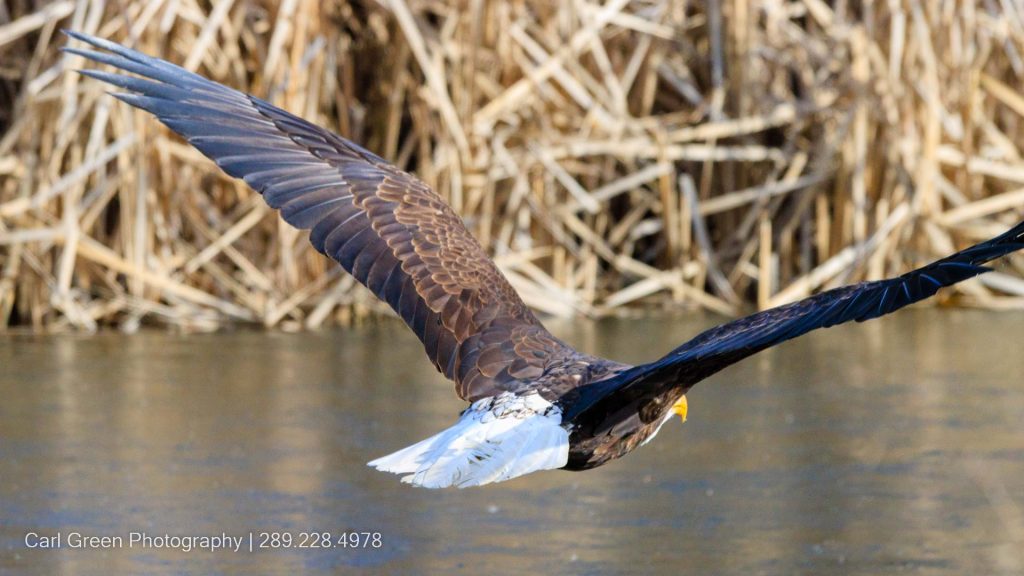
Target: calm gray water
{"type": "Point", "coordinates": [891, 447]}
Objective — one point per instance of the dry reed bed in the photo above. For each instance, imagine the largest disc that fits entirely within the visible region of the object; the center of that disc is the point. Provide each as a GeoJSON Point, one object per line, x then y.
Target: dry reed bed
{"type": "Point", "coordinates": [612, 155]}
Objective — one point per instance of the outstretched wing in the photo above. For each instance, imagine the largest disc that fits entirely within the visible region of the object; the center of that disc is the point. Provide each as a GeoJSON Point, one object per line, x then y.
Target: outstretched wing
{"type": "Point", "coordinates": [384, 226]}
{"type": "Point", "coordinates": [719, 347]}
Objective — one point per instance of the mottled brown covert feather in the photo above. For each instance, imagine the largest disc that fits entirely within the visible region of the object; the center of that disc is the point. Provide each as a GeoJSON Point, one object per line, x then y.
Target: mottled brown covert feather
{"type": "Point", "coordinates": [404, 233]}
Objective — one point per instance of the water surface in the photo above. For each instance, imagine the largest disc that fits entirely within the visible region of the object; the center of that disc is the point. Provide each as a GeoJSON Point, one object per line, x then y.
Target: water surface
{"type": "Point", "coordinates": [895, 446]}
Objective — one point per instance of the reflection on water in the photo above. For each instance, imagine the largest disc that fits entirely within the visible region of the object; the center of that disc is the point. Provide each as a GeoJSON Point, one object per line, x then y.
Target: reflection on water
{"type": "Point", "coordinates": [891, 446]}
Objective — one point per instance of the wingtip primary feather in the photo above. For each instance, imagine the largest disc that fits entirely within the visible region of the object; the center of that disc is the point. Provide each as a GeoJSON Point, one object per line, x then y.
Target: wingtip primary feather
{"type": "Point", "coordinates": [101, 43]}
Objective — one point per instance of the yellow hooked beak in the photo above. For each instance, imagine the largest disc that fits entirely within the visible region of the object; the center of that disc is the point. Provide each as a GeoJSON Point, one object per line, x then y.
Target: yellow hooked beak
{"type": "Point", "coordinates": [680, 408]}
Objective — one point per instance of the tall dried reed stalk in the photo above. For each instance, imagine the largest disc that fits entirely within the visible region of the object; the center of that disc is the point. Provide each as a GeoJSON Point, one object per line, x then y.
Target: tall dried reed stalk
{"type": "Point", "coordinates": [612, 154]}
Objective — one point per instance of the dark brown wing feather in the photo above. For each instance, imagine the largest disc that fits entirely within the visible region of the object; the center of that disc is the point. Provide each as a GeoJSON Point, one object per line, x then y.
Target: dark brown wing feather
{"type": "Point", "coordinates": [729, 343]}
{"type": "Point", "coordinates": [387, 228]}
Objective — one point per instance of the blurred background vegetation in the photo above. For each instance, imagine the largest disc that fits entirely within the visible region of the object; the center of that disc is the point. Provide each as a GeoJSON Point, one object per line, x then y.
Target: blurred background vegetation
{"type": "Point", "coordinates": [613, 155]}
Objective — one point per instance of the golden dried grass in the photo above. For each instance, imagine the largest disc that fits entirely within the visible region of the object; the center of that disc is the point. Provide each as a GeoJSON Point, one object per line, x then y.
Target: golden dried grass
{"type": "Point", "coordinates": [612, 155]}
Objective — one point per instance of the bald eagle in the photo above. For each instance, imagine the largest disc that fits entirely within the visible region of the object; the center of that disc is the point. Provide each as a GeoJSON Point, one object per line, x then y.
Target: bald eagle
{"type": "Point", "coordinates": [536, 403]}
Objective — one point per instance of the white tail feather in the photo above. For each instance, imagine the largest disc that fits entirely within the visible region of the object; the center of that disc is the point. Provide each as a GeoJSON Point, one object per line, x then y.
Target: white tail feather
{"type": "Point", "coordinates": [496, 439]}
